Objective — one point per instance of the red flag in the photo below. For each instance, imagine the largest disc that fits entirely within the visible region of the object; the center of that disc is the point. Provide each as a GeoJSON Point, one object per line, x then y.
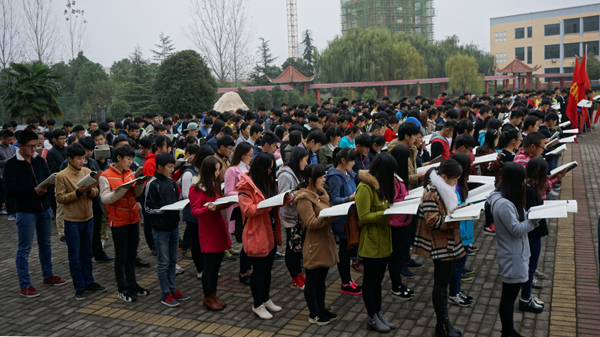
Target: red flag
{"type": "Point", "coordinates": [584, 84]}
{"type": "Point", "coordinates": [573, 97]}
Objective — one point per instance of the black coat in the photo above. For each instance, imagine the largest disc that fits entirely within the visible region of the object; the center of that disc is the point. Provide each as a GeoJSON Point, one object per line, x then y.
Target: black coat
{"type": "Point", "coordinates": [161, 191]}
{"type": "Point", "coordinates": [533, 198]}
{"type": "Point", "coordinates": [55, 158]}
{"type": "Point", "coordinates": [20, 180]}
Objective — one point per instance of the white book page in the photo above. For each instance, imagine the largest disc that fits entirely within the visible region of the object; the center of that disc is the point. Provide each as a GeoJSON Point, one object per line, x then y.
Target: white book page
{"type": "Point", "coordinates": [337, 210]}
{"type": "Point", "coordinates": [548, 211]}
{"type": "Point", "coordinates": [426, 168]}
{"type": "Point", "coordinates": [415, 193]}
{"type": "Point", "coordinates": [87, 180]}
{"type": "Point", "coordinates": [571, 131]}
{"type": "Point", "coordinates": [567, 140]}
{"type": "Point", "coordinates": [225, 200]}
{"type": "Point", "coordinates": [176, 206]}
{"type": "Point", "coordinates": [139, 179]}
{"type": "Point", "coordinates": [471, 212]}
{"type": "Point", "coordinates": [102, 151]}
{"type": "Point", "coordinates": [481, 179]}
{"type": "Point", "coordinates": [485, 159]}
{"type": "Point", "coordinates": [479, 193]}
{"type": "Point", "coordinates": [279, 162]}
{"type": "Point", "coordinates": [562, 167]}
{"type": "Point", "coordinates": [571, 204]}
{"type": "Point", "coordinates": [565, 124]}
{"type": "Point", "coordinates": [273, 201]}
{"type": "Point", "coordinates": [51, 180]}
{"type": "Point", "coordinates": [410, 206]}
{"type": "Point", "coordinates": [427, 139]}
{"type": "Point", "coordinates": [558, 149]}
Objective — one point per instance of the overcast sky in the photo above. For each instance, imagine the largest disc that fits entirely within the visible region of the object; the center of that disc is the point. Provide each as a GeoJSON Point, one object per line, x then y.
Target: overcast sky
{"type": "Point", "coordinates": [115, 27]}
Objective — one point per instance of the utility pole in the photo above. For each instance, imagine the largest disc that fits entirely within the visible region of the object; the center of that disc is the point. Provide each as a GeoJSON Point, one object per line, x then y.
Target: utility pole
{"type": "Point", "coordinates": [292, 28]}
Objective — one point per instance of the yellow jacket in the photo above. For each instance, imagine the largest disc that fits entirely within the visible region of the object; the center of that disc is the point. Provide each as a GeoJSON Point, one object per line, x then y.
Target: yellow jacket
{"type": "Point", "coordinates": [76, 209]}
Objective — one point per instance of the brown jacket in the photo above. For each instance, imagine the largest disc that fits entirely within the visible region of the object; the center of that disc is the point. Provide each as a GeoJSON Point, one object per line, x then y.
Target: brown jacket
{"type": "Point", "coordinates": [319, 249]}
{"type": "Point", "coordinates": [413, 180]}
{"type": "Point", "coordinates": [76, 208]}
{"type": "Point", "coordinates": [224, 165]}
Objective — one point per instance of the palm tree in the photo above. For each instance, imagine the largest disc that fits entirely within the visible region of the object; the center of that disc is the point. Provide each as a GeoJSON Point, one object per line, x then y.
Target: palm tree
{"type": "Point", "coordinates": [30, 90]}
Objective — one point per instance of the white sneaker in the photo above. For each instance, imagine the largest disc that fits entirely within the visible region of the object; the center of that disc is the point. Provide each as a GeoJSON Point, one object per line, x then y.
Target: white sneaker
{"type": "Point", "coordinates": [262, 312]}
{"type": "Point", "coordinates": [199, 275]}
{"type": "Point", "coordinates": [553, 194]}
{"type": "Point", "coordinates": [271, 306]}
{"type": "Point", "coordinates": [178, 270]}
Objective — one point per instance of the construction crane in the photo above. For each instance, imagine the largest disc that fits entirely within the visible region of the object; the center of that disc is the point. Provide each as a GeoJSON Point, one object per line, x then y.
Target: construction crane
{"type": "Point", "coordinates": [292, 28]}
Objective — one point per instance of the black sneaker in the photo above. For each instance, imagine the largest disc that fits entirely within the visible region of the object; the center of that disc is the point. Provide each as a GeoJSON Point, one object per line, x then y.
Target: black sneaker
{"type": "Point", "coordinates": [406, 288]}
{"type": "Point", "coordinates": [468, 271]}
{"type": "Point", "coordinates": [319, 320]}
{"type": "Point", "coordinates": [140, 263]}
{"type": "Point", "coordinates": [458, 300]}
{"type": "Point", "coordinates": [332, 316]}
{"type": "Point", "coordinates": [127, 296]}
{"type": "Point", "coordinates": [80, 295]}
{"type": "Point", "coordinates": [278, 255]}
{"type": "Point", "coordinates": [401, 293]}
{"type": "Point", "coordinates": [465, 296]}
{"type": "Point", "coordinates": [95, 287]}
{"type": "Point", "coordinates": [414, 264]}
{"type": "Point", "coordinates": [139, 291]}
{"type": "Point", "coordinates": [105, 258]}
{"type": "Point", "coordinates": [472, 247]}
{"type": "Point", "coordinates": [466, 278]}
{"type": "Point", "coordinates": [530, 306]}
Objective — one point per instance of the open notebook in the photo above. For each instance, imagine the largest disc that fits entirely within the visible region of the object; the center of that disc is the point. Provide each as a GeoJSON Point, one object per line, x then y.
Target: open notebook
{"type": "Point", "coordinates": [337, 210]}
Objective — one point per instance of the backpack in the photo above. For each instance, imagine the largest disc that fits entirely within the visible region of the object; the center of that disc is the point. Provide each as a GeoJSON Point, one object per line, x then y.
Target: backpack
{"type": "Point", "coordinates": [350, 227]}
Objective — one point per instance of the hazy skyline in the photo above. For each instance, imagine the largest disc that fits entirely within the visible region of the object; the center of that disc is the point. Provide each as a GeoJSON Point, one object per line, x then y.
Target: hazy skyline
{"type": "Point", "coordinates": [114, 27]}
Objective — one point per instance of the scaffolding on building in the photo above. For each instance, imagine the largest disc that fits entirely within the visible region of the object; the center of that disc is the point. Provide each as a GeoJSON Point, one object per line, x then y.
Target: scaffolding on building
{"type": "Point", "coordinates": [399, 16]}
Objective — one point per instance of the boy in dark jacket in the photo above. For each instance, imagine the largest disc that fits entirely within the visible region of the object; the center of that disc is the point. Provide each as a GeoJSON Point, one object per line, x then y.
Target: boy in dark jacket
{"type": "Point", "coordinates": [55, 157]}
{"type": "Point", "coordinates": [22, 175]}
{"type": "Point", "coordinates": [160, 191]}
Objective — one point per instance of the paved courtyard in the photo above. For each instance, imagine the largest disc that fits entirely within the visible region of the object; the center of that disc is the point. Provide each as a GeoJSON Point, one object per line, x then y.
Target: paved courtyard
{"type": "Point", "coordinates": [568, 257]}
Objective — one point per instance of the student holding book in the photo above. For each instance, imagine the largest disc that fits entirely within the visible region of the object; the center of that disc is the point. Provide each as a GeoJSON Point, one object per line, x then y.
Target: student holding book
{"type": "Point", "coordinates": [400, 223]}
{"type": "Point", "coordinates": [438, 239]}
{"type": "Point", "coordinates": [79, 224]}
{"type": "Point", "coordinates": [123, 219]}
{"type": "Point", "coordinates": [342, 189]}
{"type": "Point", "coordinates": [160, 191]}
{"type": "Point", "coordinates": [325, 154]}
{"type": "Point", "coordinates": [212, 228]}
{"type": "Point", "coordinates": [374, 194]}
{"type": "Point", "coordinates": [536, 185]}
{"type": "Point", "coordinates": [318, 249]}
{"type": "Point", "coordinates": [457, 296]}
{"type": "Point", "coordinates": [512, 246]}
{"type": "Point", "coordinates": [288, 178]}
{"type": "Point", "coordinates": [240, 164]}
{"type": "Point", "coordinates": [262, 230]}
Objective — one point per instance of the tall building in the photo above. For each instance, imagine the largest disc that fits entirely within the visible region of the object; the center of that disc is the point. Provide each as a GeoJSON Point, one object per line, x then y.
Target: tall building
{"type": "Point", "coordinates": [408, 16]}
{"type": "Point", "coordinates": [549, 38]}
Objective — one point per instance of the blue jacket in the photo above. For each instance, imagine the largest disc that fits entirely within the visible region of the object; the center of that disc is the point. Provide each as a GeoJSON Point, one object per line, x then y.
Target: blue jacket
{"type": "Point", "coordinates": [466, 227]}
{"type": "Point", "coordinates": [341, 187]}
{"type": "Point", "coordinates": [361, 163]}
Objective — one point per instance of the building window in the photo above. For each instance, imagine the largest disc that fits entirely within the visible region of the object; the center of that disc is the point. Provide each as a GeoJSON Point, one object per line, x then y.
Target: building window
{"type": "Point", "coordinates": [552, 29]}
{"type": "Point", "coordinates": [572, 26]}
{"type": "Point", "coordinates": [571, 49]}
{"type": "Point", "coordinates": [529, 32]}
{"type": "Point", "coordinates": [551, 51]}
{"type": "Point", "coordinates": [552, 71]}
{"type": "Point", "coordinates": [519, 33]}
{"type": "Point", "coordinates": [520, 53]}
{"type": "Point", "coordinates": [529, 55]}
{"type": "Point", "coordinates": [592, 47]}
{"type": "Point", "coordinates": [591, 24]}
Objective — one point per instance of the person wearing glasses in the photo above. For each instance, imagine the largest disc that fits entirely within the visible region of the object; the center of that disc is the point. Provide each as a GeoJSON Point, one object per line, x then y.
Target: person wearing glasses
{"type": "Point", "coordinates": [55, 157]}
{"type": "Point", "coordinates": [22, 175]}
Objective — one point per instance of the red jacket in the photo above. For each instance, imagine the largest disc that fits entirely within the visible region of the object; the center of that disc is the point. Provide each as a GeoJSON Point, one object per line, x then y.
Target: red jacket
{"type": "Point", "coordinates": [150, 164]}
{"type": "Point", "coordinates": [257, 237]}
{"type": "Point", "coordinates": [389, 135]}
{"type": "Point", "coordinates": [445, 151]}
{"type": "Point", "coordinates": [212, 228]}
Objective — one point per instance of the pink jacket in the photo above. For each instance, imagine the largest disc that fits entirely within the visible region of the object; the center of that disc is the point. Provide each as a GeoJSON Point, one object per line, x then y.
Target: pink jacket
{"type": "Point", "coordinates": [232, 178]}
{"type": "Point", "coordinates": [400, 220]}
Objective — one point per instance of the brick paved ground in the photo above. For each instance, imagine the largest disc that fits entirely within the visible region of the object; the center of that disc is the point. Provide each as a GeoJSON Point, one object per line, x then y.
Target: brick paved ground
{"type": "Point", "coordinates": [571, 302]}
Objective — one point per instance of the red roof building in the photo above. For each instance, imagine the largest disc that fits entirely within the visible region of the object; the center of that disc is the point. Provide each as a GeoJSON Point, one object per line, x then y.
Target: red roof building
{"type": "Point", "coordinates": [519, 67]}
{"type": "Point", "coordinates": [291, 75]}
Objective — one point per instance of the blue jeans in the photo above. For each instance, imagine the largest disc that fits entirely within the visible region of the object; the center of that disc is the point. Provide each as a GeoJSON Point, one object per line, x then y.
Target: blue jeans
{"type": "Point", "coordinates": [27, 224]}
{"type": "Point", "coordinates": [535, 247]}
{"type": "Point", "coordinates": [79, 243]}
{"type": "Point", "coordinates": [167, 244]}
{"type": "Point", "coordinates": [455, 281]}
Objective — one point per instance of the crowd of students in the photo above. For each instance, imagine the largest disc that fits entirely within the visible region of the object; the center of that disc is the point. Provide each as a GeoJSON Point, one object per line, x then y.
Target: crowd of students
{"type": "Point", "coordinates": [322, 155]}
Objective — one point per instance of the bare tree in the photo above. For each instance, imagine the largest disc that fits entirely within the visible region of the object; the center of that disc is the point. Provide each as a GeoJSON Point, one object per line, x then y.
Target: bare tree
{"type": "Point", "coordinates": [9, 23]}
{"type": "Point", "coordinates": [76, 26]}
{"type": "Point", "coordinates": [41, 34]}
{"type": "Point", "coordinates": [220, 31]}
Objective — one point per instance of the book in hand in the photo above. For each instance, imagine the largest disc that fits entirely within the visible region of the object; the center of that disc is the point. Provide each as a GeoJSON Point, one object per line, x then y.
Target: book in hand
{"type": "Point", "coordinates": [558, 149]}
{"type": "Point", "coordinates": [556, 106]}
{"type": "Point", "coordinates": [596, 98]}
{"type": "Point", "coordinates": [176, 206]}
{"type": "Point", "coordinates": [410, 206]}
{"type": "Point", "coordinates": [337, 210]}
{"type": "Point", "coordinates": [475, 179]}
{"type": "Point", "coordinates": [179, 163]}
{"type": "Point", "coordinates": [571, 204]}
{"type": "Point", "coordinates": [51, 180]}
{"type": "Point", "coordinates": [475, 150]}
{"type": "Point", "coordinates": [138, 179]}
{"type": "Point", "coordinates": [552, 143]}
{"type": "Point", "coordinates": [480, 193]}
{"type": "Point", "coordinates": [568, 167]}
{"type": "Point", "coordinates": [565, 124]}
{"type": "Point", "coordinates": [436, 160]}
{"type": "Point", "coordinates": [102, 151]}
{"type": "Point", "coordinates": [273, 201]}
{"type": "Point", "coordinates": [424, 169]}
{"type": "Point", "coordinates": [567, 140]}
{"type": "Point", "coordinates": [575, 131]}
{"type": "Point", "coordinates": [427, 139]}
{"type": "Point", "coordinates": [584, 103]}
{"type": "Point", "coordinates": [471, 212]}
{"type": "Point", "coordinates": [548, 211]}
{"type": "Point", "coordinates": [485, 159]}
{"type": "Point", "coordinates": [415, 193]}
{"type": "Point", "coordinates": [279, 162]}
{"type": "Point", "coordinates": [224, 201]}
{"type": "Point", "coordinates": [555, 135]}
{"type": "Point", "coordinates": [88, 180]}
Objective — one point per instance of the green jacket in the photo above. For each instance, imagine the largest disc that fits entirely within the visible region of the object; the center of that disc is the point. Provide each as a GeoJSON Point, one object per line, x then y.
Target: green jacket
{"type": "Point", "coordinates": [376, 233]}
{"type": "Point", "coordinates": [325, 157]}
